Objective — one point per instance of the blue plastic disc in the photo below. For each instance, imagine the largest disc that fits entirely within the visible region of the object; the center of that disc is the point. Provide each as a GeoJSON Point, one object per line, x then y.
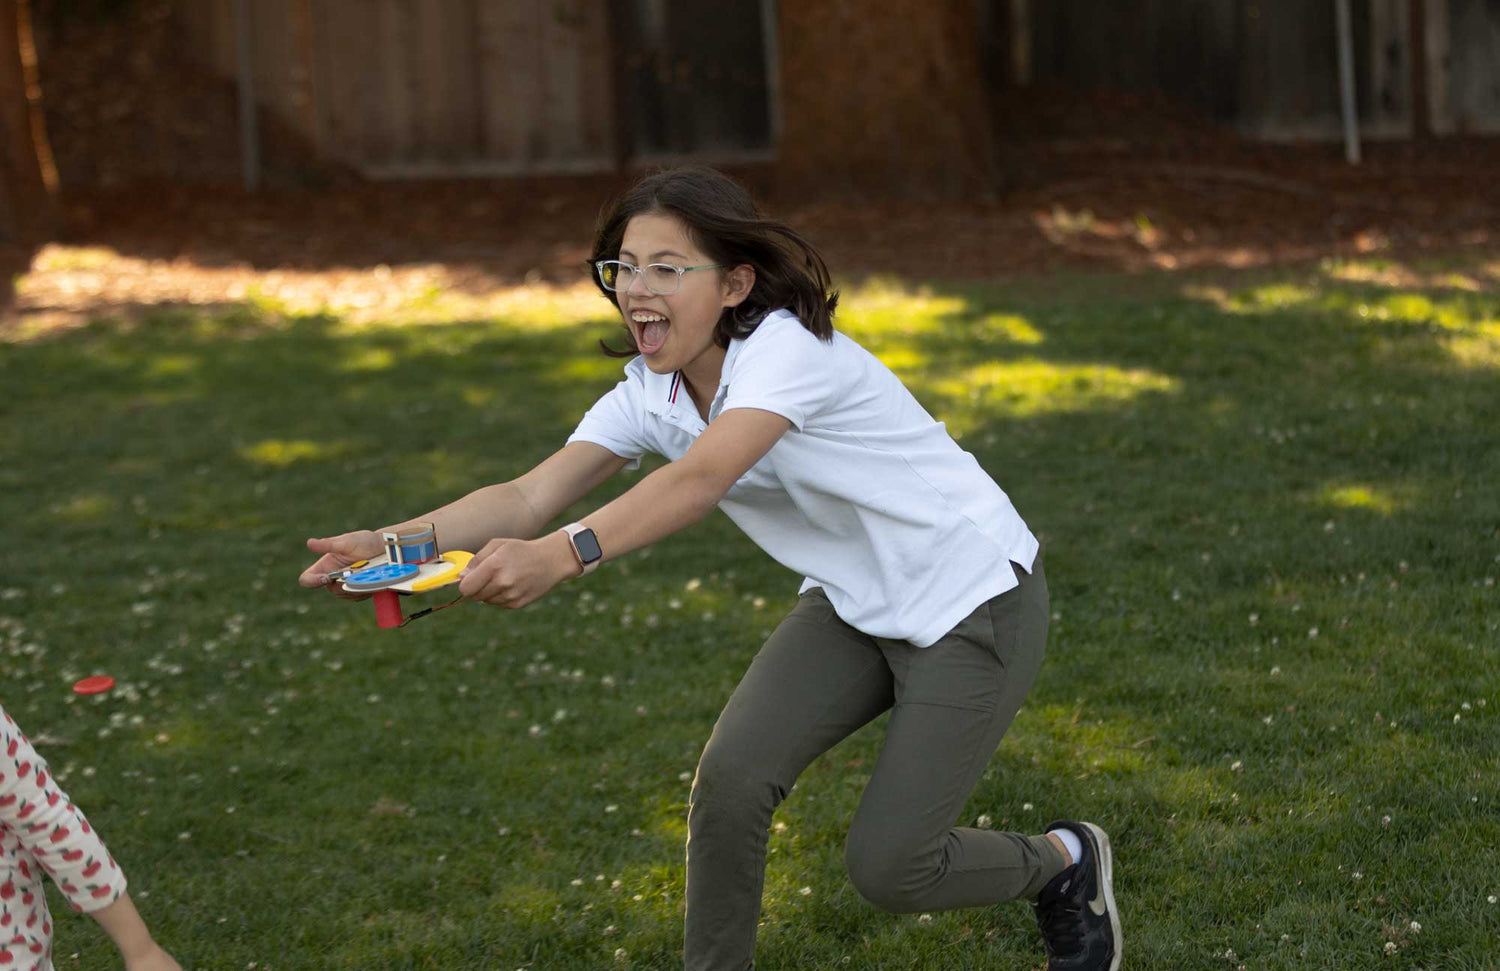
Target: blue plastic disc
{"type": "Point", "coordinates": [383, 575]}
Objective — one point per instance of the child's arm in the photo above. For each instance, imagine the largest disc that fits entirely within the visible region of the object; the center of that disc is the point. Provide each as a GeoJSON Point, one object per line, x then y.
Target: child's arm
{"type": "Point", "coordinates": [513, 573]}
{"type": "Point", "coordinates": [122, 922]}
{"type": "Point", "coordinates": [54, 834]}
{"type": "Point", "coordinates": [520, 507]}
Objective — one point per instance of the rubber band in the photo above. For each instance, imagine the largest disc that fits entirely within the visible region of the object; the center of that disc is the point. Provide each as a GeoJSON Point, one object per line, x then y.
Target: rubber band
{"type": "Point", "coordinates": [432, 610]}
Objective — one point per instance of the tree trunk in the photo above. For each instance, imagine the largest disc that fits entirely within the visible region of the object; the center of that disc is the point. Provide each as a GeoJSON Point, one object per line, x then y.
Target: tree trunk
{"type": "Point", "coordinates": [26, 208]}
{"type": "Point", "coordinates": [885, 97]}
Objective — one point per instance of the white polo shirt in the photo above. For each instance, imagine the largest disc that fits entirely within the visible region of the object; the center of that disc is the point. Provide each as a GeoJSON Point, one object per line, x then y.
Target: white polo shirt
{"type": "Point", "coordinates": [865, 495]}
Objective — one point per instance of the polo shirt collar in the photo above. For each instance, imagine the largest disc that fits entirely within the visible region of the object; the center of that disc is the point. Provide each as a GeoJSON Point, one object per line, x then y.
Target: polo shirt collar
{"type": "Point", "coordinates": [667, 396]}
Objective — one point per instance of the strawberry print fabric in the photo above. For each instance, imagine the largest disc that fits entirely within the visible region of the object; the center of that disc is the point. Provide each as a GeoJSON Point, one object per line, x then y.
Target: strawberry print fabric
{"type": "Point", "coordinates": [41, 831]}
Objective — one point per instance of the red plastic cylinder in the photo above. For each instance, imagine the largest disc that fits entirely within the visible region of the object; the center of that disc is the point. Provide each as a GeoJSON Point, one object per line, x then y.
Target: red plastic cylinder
{"type": "Point", "coordinates": [387, 608]}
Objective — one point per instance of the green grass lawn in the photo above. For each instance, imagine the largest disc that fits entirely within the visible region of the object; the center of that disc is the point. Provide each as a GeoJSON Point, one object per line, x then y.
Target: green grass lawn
{"type": "Point", "coordinates": [1272, 522]}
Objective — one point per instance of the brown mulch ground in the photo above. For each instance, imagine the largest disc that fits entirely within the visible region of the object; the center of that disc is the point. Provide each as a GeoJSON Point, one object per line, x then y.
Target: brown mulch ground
{"type": "Point", "coordinates": [373, 245]}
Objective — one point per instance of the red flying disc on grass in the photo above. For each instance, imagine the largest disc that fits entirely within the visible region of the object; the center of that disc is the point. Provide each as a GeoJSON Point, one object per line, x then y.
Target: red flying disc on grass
{"type": "Point", "coordinates": [98, 684]}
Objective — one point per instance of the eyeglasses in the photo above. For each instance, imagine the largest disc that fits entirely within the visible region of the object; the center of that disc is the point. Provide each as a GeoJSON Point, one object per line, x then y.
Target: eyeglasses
{"type": "Point", "coordinates": [661, 278]}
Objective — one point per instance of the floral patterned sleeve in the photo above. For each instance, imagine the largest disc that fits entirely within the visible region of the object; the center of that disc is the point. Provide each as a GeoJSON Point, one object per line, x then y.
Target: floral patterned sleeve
{"type": "Point", "coordinates": [40, 826]}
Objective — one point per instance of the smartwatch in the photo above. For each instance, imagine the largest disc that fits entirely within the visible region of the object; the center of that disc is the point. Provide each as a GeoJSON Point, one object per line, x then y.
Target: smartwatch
{"type": "Point", "coordinates": [585, 546]}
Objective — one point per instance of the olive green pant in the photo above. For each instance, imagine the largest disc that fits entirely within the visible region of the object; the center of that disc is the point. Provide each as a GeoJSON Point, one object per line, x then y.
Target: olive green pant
{"type": "Point", "coordinates": [815, 682]}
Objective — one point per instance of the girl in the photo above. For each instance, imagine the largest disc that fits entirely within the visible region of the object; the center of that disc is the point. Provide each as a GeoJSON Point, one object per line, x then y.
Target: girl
{"type": "Point", "coordinates": [41, 831]}
{"type": "Point", "coordinates": [924, 591]}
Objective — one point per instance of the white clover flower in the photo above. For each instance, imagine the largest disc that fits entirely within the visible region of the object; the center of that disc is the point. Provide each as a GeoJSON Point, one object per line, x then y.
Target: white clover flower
{"type": "Point", "coordinates": [611, 808]}
{"type": "Point", "coordinates": [1414, 927]}
{"type": "Point", "coordinates": [984, 821]}
{"type": "Point", "coordinates": [805, 892]}
{"type": "Point", "coordinates": [1026, 807]}
{"type": "Point", "coordinates": [1390, 947]}
{"type": "Point", "coordinates": [1238, 766]}
{"type": "Point", "coordinates": [924, 919]}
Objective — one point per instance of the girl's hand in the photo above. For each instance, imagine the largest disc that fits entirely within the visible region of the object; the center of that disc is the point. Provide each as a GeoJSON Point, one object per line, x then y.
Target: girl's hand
{"type": "Point", "coordinates": [338, 552]}
{"type": "Point", "coordinates": [515, 572]}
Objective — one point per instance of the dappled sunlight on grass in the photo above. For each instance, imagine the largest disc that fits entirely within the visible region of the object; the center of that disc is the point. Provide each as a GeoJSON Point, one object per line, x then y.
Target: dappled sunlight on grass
{"type": "Point", "coordinates": [593, 368]}
{"type": "Point", "coordinates": [1451, 311]}
{"type": "Point", "coordinates": [86, 508]}
{"type": "Point", "coordinates": [1476, 351]}
{"type": "Point", "coordinates": [528, 307]}
{"type": "Point", "coordinates": [479, 397]}
{"type": "Point", "coordinates": [172, 365]}
{"type": "Point", "coordinates": [1416, 275]}
{"type": "Point", "coordinates": [1015, 328]}
{"type": "Point", "coordinates": [1030, 388]}
{"type": "Point", "coordinates": [280, 453]}
{"type": "Point", "coordinates": [906, 361]}
{"type": "Point", "coordinates": [885, 307]}
{"type": "Point", "coordinates": [1272, 296]}
{"type": "Point", "coordinates": [369, 359]}
{"type": "Point", "coordinates": [1363, 496]}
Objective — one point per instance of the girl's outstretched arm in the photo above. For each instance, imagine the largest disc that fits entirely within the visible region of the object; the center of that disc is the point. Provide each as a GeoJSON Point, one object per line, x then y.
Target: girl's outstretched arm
{"type": "Point", "coordinates": [513, 573]}
{"type": "Point", "coordinates": [518, 508]}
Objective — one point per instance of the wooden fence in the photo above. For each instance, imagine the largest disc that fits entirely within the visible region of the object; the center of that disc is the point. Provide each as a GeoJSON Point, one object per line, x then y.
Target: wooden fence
{"type": "Point", "coordinates": [411, 88]}
{"type": "Point", "coordinates": [1268, 67]}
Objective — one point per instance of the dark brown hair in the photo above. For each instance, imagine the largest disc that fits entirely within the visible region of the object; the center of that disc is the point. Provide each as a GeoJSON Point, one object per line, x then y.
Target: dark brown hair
{"type": "Point", "coordinates": [723, 220]}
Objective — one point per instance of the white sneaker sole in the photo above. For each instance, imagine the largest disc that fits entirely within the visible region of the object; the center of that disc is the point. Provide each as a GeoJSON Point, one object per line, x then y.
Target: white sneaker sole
{"type": "Point", "coordinates": [1107, 887]}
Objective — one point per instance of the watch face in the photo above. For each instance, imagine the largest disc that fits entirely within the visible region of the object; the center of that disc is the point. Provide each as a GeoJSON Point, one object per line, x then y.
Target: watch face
{"type": "Point", "coordinates": [587, 546]}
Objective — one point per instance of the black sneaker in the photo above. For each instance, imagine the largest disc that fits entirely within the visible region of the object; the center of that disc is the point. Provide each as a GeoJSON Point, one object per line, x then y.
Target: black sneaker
{"type": "Point", "coordinates": [1076, 911]}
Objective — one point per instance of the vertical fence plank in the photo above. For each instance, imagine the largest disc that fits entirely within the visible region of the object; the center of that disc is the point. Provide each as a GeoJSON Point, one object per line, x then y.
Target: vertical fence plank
{"type": "Point", "coordinates": [561, 30]}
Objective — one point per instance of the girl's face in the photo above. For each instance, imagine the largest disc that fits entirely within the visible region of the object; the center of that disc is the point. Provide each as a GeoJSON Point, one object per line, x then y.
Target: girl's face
{"type": "Point", "coordinates": [675, 331]}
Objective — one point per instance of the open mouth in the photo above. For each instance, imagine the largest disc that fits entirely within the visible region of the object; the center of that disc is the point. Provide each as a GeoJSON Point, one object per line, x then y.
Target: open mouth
{"type": "Point", "coordinates": [650, 330]}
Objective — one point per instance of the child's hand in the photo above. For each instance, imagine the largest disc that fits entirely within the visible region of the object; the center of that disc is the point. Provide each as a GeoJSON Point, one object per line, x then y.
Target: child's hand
{"type": "Point", "coordinates": [338, 552]}
{"type": "Point", "coordinates": [154, 959]}
{"type": "Point", "coordinates": [514, 572]}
